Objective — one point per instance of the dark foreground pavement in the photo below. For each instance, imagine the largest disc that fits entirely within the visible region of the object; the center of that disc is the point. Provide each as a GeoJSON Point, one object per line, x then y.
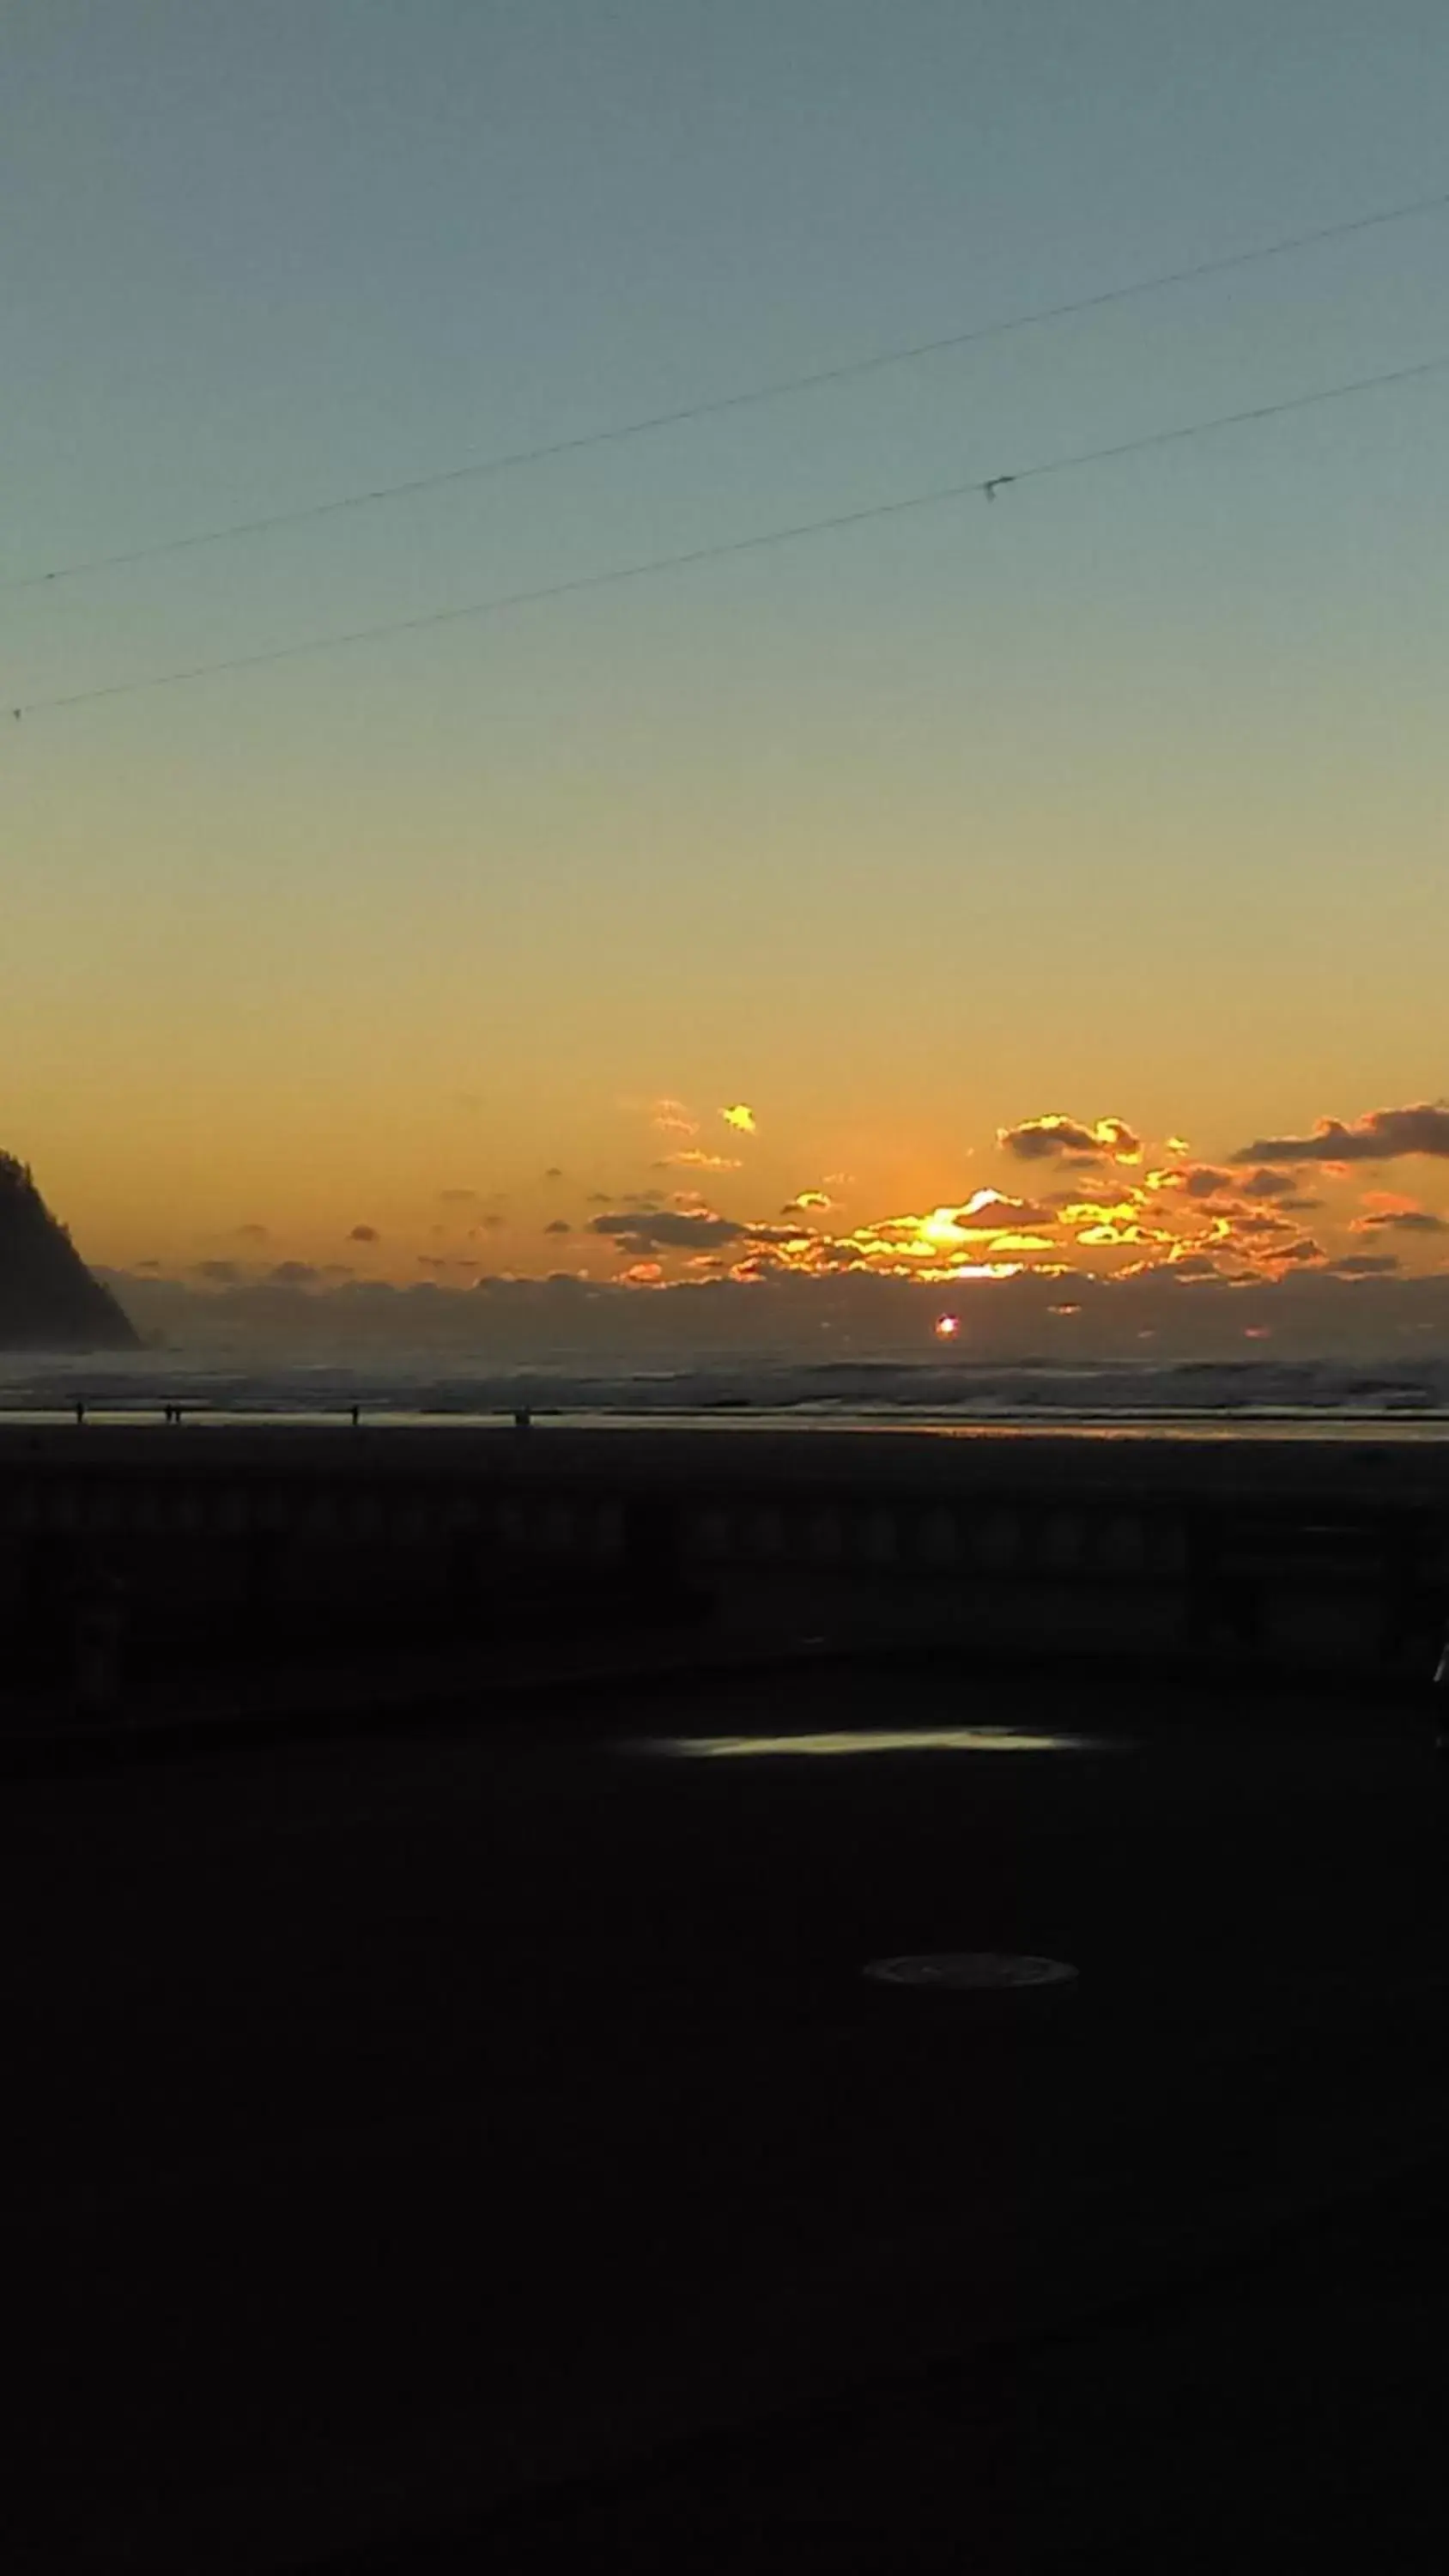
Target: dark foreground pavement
{"type": "Point", "coordinates": [454, 2152]}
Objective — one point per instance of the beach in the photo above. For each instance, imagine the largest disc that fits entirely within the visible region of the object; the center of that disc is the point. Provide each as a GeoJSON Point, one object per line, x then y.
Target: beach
{"type": "Point", "coordinates": [450, 2121]}
{"type": "Point", "coordinates": [479, 2143]}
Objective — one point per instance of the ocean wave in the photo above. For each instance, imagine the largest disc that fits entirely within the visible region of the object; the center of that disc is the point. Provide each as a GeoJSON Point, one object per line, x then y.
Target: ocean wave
{"type": "Point", "coordinates": [1002, 1393]}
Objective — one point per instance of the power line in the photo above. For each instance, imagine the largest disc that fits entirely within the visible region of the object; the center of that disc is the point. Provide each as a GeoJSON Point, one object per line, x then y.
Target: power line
{"type": "Point", "coordinates": [512, 460]}
{"type": "Point", "coordinates": [983, 486]}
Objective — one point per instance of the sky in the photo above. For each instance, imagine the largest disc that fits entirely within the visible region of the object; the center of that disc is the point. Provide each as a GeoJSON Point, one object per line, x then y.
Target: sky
{"type": "Point", "coordinates": [1117, 797]}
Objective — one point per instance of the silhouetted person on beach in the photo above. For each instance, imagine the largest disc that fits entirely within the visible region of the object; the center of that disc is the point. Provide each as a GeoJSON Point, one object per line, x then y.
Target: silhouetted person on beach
{"type": "Point", "coordinates": [80, 1413]}
{"type": "Point", "coordinates": [356, 1415]}
{"type": "Point", "coordinates": [523, 1419]}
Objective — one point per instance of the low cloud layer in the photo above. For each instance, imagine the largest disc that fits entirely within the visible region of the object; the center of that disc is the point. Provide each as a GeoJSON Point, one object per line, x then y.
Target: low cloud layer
{"type": "Point", "coordinates": [1160, 1310]}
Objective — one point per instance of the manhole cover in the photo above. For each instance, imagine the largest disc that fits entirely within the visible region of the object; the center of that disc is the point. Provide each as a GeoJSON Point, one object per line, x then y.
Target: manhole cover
{"type": "Point", "coordinates": [998, 1979]}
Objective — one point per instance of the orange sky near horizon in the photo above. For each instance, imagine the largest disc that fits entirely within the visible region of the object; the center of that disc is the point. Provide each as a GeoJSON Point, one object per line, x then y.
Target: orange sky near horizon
{"type": "Point", "coordinates": [1121, 793]}
{"type": "Point", "coordinates": [698, 1194]}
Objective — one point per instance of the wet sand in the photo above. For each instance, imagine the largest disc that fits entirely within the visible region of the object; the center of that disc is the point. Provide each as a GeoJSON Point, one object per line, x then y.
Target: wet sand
{"type": "Point", "coordinates": [1378, 1462]}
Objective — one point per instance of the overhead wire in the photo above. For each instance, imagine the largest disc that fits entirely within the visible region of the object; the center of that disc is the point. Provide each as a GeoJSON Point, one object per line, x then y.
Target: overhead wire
{"type": "Point", "coordinates": [711, 406]}
{"type": "Point", "coordinates": [983, 486]}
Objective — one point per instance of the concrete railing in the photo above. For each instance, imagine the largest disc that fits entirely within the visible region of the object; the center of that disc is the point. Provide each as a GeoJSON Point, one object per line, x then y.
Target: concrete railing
{"type": "Point", "coordinates": [1302, 1553]}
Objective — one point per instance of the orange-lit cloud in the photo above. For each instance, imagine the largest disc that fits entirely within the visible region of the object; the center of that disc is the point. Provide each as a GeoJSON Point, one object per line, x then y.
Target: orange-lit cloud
{"type": "Point", "coordinates": [1120, 1211]}
{"type": "Point", "coordinates": [985, 1208]}
{"type": "Point", "coordinates": [1038, 1140]}
{"type": "Point", "coordinates": [741, 1117]}
{"type": "Point", "coordinates": [694, 1159]}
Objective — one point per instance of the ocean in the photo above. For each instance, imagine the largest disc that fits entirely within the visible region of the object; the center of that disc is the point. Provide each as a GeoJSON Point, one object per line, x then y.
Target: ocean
{"type": "Point", "coordinates": [1216, 1399]}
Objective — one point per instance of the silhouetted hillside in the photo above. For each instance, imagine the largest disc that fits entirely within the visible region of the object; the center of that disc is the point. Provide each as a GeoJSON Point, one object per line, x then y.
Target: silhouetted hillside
{"type": "Point", "coordinates": [48, 1299]}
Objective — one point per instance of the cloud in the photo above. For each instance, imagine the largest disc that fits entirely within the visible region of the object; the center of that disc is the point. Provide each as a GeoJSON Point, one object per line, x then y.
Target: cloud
{"type": "Point", "coordinates": [222, 1274]}
{"type": "Point", "coordinates": [1381, 1136]}
{"type": "Point", "coordinates": [560, 1225]}
{"type": "Point", "coordinates": [252, 1233]}
{"type": "Point", "coordinates": [457, 1198]}
{"type": "Point", "coordinates": [987, 1208]}
{"type": "Point", "coordinates": [672, 1118]}
{"type": "Point", "coordinates": [1209, 1180]}
{"type": "Point", "coordinates": [1119, 1211]}
{"type": "Point", "coordinates": [293, 1274]}
{"type": "Point", "coordinates": [809, 1199]}
{"type": "Point", "coordinates": [554, 1172]}
{"type": "Point", "coordinates": [741, 1117]}
{"type": "Point", "coordinates": [1366, 1265]}
{"type": "Point", "coordinates": [1038, 1140]}
{"type": "Point", "coordinates": [364, 1234]}
{"type": "Point", "coordinates": [1401, 1221]}
{"type": "Point", "coordinates": [692, 1160]}
{"type": "Point", "coordinates": [1258, 1223]}
{"type": "Point", "coordinates": [666, 1230]}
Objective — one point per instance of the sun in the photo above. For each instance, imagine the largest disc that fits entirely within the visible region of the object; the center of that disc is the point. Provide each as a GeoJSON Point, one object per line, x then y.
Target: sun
{"type": "Point", "coordinates": [947, 1327]}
